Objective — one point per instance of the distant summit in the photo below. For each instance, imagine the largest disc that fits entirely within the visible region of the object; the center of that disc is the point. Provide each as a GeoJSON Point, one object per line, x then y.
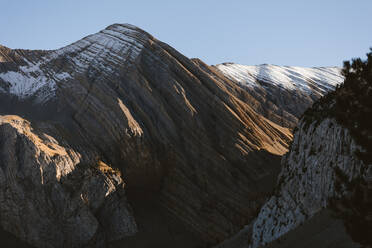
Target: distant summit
{"type": "Point", "coordinates": [283, 92]}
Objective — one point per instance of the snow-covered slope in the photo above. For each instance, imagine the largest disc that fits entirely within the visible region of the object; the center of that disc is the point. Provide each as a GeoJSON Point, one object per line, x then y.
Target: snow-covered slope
{"type": "Point", "coordinates": [282, 93]}
{"type": "Point", "coordinates": [321, 79]}
{"type": "Point", "coordinates": [116, 44]}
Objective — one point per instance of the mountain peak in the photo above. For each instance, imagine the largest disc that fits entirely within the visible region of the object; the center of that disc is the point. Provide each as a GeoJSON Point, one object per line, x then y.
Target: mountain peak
{"type": "Point", "coordinates": [127, 29]}
{"type": "Point", "coordinates": [124, 26]}
{"type": "Point", "coordinates": [117, 44]}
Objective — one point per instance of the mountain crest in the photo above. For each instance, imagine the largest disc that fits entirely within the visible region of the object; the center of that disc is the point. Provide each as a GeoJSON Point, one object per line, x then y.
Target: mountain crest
{"type": "Point", "coordinates": [117, 45]}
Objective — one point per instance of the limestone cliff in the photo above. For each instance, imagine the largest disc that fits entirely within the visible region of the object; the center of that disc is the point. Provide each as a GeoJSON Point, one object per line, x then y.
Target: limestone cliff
{"type": "Point", "coordinates": [320, 153]}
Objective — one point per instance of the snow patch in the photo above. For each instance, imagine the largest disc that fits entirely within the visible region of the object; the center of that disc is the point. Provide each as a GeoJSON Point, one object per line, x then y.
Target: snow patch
{"type": "Point", "coordinates": [30, 79]}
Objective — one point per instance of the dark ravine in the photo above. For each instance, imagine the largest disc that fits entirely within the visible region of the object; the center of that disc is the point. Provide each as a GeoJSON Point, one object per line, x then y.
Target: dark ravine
{"type": "Point", "coordinates": [120, 113]}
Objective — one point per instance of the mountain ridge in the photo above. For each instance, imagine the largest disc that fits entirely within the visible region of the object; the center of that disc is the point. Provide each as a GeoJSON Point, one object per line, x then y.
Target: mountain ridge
{"type": "Point", "coordinates": [207, 149]}
{"type": "Point", "coordinates": [283, 93]}
{"type": "Point", "coordinates": [167, 124]}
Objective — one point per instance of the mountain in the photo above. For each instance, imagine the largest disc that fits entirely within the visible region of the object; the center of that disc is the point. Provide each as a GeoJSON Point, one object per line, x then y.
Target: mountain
{"type": "Point", "coordinates": [283, 93]}
{"type": "Point", "coordinates": [327, 169]}
{"type": "Point", "coordinates": [122, 98]}
{"type": "Point", "coordinates": [118, 134]}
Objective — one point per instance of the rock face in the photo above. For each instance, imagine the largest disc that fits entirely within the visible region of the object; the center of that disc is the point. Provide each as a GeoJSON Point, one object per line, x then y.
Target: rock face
{"type": "Point", "coordinates": [282, 93]}
{"type": "Point", "coordinates": [49, 199]}
{"type": "Point", "coordinates": [307, 183]}
{"type": "Point", "coordinates": [321, 153]}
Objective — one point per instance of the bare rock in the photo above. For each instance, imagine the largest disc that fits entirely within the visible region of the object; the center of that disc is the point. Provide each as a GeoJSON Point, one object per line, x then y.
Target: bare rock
{"type": "Point", "coordinates": [50, 198]}
{"type": "Point", "coordinates": [308, 182]}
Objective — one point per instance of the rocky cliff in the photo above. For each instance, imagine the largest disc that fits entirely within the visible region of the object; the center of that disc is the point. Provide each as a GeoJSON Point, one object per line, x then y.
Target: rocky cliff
{"type": "Point", "coordinates": [50, 199]}
{"type": "Point", "coordinates": [320, 154]}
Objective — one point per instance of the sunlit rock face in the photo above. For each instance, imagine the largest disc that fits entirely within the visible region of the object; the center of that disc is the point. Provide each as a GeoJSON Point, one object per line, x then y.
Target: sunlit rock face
{"type": "Point", "coordinates": [50, 199]}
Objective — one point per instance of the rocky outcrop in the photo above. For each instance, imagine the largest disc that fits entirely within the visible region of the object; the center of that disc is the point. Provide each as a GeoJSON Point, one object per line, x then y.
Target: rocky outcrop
{"type": "Point", "coordinates": [320, 154]}
{"type": "Point", "coordinates": [51, 198]}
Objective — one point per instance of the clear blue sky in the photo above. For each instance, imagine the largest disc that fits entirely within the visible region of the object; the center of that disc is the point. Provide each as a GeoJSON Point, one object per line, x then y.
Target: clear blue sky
{"type": "Point", "coordinates": [282, 32]}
